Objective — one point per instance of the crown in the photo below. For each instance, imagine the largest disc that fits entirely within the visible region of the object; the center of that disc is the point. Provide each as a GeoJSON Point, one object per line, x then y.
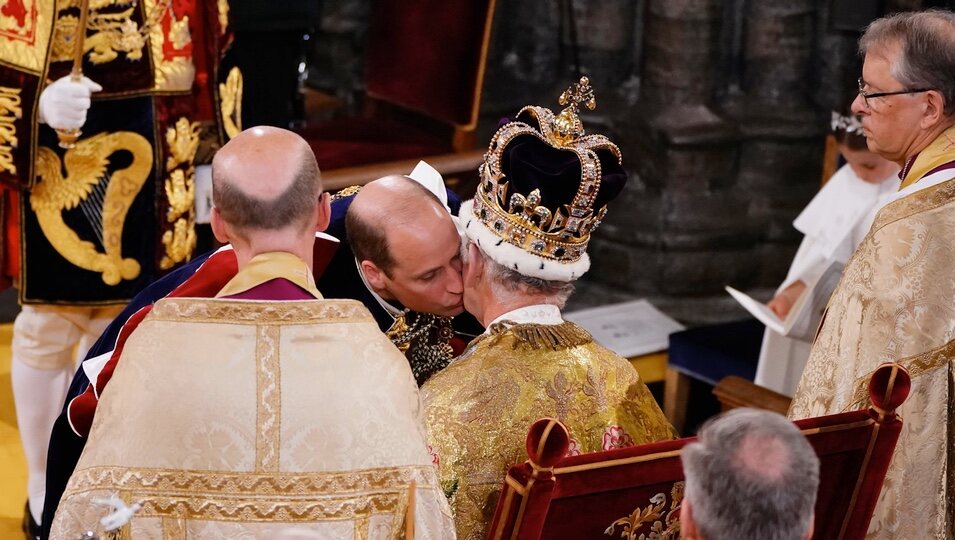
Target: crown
{"type": "Point", "coordinates": [559, 233]}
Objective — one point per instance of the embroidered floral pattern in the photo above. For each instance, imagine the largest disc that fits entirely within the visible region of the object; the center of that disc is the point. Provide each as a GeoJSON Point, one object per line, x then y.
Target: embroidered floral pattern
{"type": "Point", "coordinates": [616, 437]}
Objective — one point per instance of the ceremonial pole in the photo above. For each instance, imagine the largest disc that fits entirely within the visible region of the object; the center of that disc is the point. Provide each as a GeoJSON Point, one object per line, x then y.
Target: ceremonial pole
{"type": "Point", "coordinates": [68, 137]}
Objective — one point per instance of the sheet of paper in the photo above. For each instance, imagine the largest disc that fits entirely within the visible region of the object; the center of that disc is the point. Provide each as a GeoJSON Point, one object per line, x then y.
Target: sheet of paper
{"type": "Point", "coordinates": [629, 328]}
{"type": "Point", "coordinates": [759, 310]}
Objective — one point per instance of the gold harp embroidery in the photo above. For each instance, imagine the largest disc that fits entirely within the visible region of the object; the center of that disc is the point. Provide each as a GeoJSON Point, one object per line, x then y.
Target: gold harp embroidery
{"type": "Point", "coordinates": [105, 204]}
{"type": "Point", "coordinates": [230, 95]}
{"type": "Point", "coordinates": [180, 241]}
{"type": "Point", "coordinates": [10, 111]}
{"type": "Point", "coordinates": [667, 529]}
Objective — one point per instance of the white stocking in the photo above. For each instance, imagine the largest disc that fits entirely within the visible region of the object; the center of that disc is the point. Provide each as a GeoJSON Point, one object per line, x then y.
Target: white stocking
{"type": "Point", "coordinates": [39, 395]}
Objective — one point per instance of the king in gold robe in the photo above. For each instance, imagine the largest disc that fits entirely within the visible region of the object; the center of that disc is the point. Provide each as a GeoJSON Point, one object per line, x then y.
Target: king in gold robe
{"type": "Point", "coordinates": [480, 407]}
{"type": "Point", "coordinates": [895, 303]}
{"type": "Point", "coordinates": [269, 414]}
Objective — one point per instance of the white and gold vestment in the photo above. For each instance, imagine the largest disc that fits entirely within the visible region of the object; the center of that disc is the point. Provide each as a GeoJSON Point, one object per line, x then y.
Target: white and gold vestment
{"type": "Point", "coordinates": [230, 418]}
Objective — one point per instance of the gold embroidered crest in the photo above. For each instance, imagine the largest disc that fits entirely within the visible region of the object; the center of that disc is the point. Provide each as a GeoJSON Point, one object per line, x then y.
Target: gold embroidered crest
{"type": "Point", "coordinates": [10, 111]}
{"type": "Point", "coordinates": [230, 103]}
{"type": "Point", "coordinates": [665, 525]}
{"type": "Point", "coordinates": [180, 187]}
{"type": "Point", "coordinates": [104, 198]}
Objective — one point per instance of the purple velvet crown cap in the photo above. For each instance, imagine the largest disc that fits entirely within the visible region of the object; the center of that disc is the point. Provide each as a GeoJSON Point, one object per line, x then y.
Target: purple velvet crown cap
{"type": "Point", "coordinates": [529, 163]}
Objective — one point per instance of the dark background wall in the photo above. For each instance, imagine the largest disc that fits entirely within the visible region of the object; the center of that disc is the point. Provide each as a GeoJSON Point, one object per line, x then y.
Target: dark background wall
{"type": "Point", "coordinates": [720, 109]}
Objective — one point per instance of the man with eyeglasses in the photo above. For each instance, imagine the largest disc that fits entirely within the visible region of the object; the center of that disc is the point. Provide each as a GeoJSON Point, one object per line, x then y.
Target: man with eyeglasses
{"type": "Point", "coordinates": [896, 299]}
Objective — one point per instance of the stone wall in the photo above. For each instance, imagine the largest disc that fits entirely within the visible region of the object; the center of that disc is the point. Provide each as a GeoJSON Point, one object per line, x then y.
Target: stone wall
{"type": "Point", "coordinates": [719, 106]}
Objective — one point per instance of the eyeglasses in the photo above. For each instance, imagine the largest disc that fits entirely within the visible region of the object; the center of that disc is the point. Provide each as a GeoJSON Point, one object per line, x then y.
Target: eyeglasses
{"type": "Point", "coordinates": [866, 96]}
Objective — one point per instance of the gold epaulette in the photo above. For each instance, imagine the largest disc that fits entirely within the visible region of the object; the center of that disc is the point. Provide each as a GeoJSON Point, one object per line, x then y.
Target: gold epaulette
{"type": "Point", "coordinates": [539, 336]}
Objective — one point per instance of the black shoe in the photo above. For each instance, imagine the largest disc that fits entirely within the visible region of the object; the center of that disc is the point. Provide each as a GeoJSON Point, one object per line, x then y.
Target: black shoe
{"type": "Point", "coordinates": [31, 529]}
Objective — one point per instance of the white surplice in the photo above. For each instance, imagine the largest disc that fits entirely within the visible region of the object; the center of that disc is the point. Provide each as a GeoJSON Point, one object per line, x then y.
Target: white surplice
{"type": "Point", "coordinates": [834, 223]}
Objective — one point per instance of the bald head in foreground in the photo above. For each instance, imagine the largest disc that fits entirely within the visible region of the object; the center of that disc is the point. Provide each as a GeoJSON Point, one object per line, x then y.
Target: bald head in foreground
{"type": "Point", "coordinates": [267, 194]}
{"type": "Point", "coordinates": [751, 475]}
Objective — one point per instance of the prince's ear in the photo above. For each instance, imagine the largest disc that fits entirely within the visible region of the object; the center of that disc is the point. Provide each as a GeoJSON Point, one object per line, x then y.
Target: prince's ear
{"type": "Point", "coordinates": [374, 275]}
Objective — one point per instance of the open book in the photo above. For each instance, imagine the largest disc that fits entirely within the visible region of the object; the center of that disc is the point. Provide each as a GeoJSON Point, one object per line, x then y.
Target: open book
{"type": "Point", "coordinates": [805, 314]}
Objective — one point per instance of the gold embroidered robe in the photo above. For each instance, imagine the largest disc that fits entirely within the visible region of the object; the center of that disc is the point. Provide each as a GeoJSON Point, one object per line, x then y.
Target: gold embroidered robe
{"type": "Point", "coordinates": [479, 408]}
{"type": "Point", "coordinates": [231, 418]}
{"type": "Point", "coordinates": [896, 302]}
{"type": "Point", "coordinates": [98, 222]}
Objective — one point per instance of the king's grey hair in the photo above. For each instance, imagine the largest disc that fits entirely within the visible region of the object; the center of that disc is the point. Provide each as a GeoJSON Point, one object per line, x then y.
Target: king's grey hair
{"type": "Point", "coordinates": [927, 58]}
{"type": "Point", "coordinates": [505, 282]}
{"type": "Point", "coordinates": [751, 476]}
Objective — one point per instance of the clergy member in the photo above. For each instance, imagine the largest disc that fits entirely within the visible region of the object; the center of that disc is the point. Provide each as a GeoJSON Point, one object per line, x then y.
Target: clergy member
{"type": "Point", "coordinates": [544, 187]}
{"type": "Point", "coordinates": [895, 299]}
{"type": "Point", "coordinates": [275, 407]}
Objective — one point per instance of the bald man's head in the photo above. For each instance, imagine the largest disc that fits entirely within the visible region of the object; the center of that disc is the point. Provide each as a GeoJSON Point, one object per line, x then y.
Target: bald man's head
{"type": "Point", "coordinates": [265, 178]}
{"type": "Point", "coordinates": [387, 203]}
{"type": "Point", "coordinates": [407, 245]}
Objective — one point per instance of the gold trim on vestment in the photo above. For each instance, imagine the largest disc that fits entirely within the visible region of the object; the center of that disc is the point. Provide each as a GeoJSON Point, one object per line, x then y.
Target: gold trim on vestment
{"type": "Point", "coordinates": [538, 336]}
{"type": "Point", "coordinates": [915, 365]}
{"type": "Point", "coordinates": [265, 267]}
{"type": "Point", "coordinates": [253, 497]}
{"type": "Point", "coordinates": [937, 153]}
{"type": "Point", "coordinates": [258, 312]}
{"type": "Point", "coordinates": [920, 201]}
{"type": "Point", "coordinates": [268, 437]}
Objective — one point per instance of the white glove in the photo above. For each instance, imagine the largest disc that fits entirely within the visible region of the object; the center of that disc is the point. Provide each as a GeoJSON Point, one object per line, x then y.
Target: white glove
{"type": "Point", "coordinates": [64, 103]}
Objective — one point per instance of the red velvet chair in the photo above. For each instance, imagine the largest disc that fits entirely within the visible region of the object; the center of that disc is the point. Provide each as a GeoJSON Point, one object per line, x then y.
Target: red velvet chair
{"type": "Point", "coordinates": [632, 492]}
{"type": "Point", "coordinates": [424, 73]}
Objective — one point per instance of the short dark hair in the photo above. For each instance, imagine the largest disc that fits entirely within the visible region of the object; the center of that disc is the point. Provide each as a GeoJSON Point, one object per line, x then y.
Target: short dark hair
{"type": "Point", "coordinates": [295, 204]}
{"type": "Point", "coordinates": [732, 497]}
{"type": "Point", "coordinates": [367, 234]}
{"type": "Point", "coordinates": [927, 59]}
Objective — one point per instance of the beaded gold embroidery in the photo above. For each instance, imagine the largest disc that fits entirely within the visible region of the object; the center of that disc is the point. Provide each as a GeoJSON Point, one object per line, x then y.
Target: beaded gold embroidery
{"type": "Point", "coordinates": [10, 111]}
{"type": "Point", "coordinates": [105, 203]}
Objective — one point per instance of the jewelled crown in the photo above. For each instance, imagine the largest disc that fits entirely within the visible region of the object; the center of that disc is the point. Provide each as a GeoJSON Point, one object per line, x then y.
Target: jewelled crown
{"type": "Point", "coordinates": [544, 187]}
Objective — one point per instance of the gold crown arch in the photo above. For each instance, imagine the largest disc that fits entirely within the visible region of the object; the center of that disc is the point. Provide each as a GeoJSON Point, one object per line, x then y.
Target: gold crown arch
{"type": "Point", "coordinates": [562, 235]}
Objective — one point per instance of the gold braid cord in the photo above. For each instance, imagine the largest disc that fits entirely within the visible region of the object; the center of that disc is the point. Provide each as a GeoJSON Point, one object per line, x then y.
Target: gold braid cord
{"type": "Point", "coordinates": [541, 336]}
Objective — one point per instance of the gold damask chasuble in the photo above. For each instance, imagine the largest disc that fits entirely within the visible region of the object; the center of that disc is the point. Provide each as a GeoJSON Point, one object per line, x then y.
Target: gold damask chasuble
{"type": "Point", "coordinates": [479, 408]}
{"type": "Point", "coordinates": [230, 418]}
{"type": "Point", "coordinates": [896, 302]}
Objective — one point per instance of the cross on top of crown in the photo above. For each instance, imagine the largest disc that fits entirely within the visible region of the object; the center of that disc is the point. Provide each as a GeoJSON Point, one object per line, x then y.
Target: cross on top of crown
{"type": "Point", "coordinates": [579, 92]}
